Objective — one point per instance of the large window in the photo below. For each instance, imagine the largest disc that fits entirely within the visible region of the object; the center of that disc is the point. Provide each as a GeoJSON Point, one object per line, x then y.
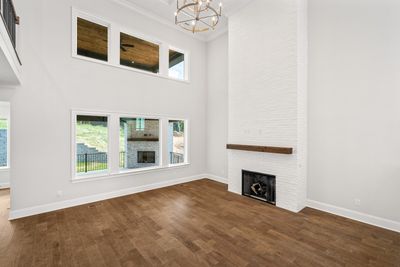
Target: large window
{"type": "Point", "coordinates": [139, 143]}
{"type": "Point", "coordinates": [176, 141]}
{"type": "Point", "coordinates": [3, 143]}
{"type": "Point", "coordinates": [92, 40]}
{"type": "Point", "coordinates": [91, 144]}
{"type": "Point", "coordinates": [139, 54]}
{"type": "Point", "coordinates": [176, 65]}
{"type": "Point", "coordinates": [107, 144]}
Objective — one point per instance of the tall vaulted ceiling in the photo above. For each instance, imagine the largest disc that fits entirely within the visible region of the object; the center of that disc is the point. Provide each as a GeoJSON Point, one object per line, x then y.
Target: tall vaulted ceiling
{"type": "Point", "coordinates": [163, 10]}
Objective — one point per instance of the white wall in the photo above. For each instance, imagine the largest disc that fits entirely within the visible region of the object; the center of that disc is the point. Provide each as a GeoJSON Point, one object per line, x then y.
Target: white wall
{"type": "Point", "coordinates": [266, 51]}
{"type": "Point", "coordinates": [217, 106]}
{"type": "Point", "coordinates": [54, 83]}
{"type": "Point", "coordinates": [354, 105]}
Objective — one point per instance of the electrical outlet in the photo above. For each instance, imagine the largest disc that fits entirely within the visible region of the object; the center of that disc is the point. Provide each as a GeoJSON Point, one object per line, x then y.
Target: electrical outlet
{"type": "Point", "coordinates": [357, 202]}
{"type": "Point", "coordinates": [59, 193]}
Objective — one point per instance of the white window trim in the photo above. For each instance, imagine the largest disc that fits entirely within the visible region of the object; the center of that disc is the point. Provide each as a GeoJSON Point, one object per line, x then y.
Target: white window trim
{"type": "Point", "coordinates": [128, 173]}
{"type": "Point", "coordinates": [86, 16]}
{"type": "Point", "coordinates": [186, 134]}
{"type": "Point", "coordinates": [186, 62]}
{"type": "Point", "coordinates": [113, 58]}
{"type": "Point", "coordinates": [75, 175]}
{"type": "Point", "coordinates": [113, 127]}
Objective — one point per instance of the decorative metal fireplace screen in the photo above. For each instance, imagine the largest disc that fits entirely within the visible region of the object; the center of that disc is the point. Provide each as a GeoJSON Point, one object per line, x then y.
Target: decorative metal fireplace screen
{"type": "Point", "coordinates": [259, 186]}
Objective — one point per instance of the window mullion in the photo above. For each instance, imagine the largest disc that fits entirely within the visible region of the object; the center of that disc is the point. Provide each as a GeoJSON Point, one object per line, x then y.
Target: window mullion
{"type": "Point", "coordinates": [113, 143]}
{"type": "Point", "coordinates": [164, 54]}
{"type": "Point", "coordinates": [114, 45]}
{"type": "Point", "coordinates": [164, 142]}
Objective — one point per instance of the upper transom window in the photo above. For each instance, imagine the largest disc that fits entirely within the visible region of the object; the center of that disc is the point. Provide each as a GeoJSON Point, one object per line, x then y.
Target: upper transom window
{"type": "Point", "coordinates": [97, 40]}
{"type": "Point", "coordinates": [92, 40]}
{"type": "Point", "coordinates": [139, 54]}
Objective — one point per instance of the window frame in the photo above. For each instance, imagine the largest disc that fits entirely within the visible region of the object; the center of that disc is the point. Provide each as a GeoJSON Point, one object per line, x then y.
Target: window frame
{"type": "Point", "coordinates": [5, 113]}
{"type": "Point", "coordinates": [94, 19]}
{"type": "Point", "coordinates": [7, 119]}
{"type": "Point", "coordinates": [186, 142]}
{"type": "Point", "coordinates": [186, 63]}
{"type": "Point", "coordinates": [160, 142]}
{"type": "Point", "coordinates": [113, 59]}
{"type": "Point", "coordinates": [113, 126]}
{"type": "Point", "coordinates": [75, 174]}
{"type": "Point", "coordinates": [143, 37]}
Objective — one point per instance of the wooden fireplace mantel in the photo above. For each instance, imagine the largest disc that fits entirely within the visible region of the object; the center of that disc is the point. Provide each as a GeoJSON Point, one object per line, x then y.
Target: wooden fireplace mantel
{"type": "Point", "coordinates": [264, 149]}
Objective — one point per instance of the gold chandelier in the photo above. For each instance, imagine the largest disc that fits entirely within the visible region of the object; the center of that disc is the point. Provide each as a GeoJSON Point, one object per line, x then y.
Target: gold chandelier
{"type": "Point", "coordinates": [197, 15]}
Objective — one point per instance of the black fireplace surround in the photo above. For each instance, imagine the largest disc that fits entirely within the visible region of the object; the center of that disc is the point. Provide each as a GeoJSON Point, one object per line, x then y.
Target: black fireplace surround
{"type": "Point", "coordinates": [259, 186]}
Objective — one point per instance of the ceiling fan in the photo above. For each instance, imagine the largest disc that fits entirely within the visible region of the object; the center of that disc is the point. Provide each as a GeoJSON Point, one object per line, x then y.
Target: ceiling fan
{"type": "Point", "coordinates": [124, 47]}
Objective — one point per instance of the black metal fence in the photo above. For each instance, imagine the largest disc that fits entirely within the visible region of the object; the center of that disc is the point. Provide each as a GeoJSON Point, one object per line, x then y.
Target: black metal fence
{"type": "Point", "coordinates": [91, 162]}
{"type": "Point", "coordinates": [176, 158]}
{"type": "Point", "coordinates": [122, 159]}
{"type": "Point", "coordinates": [10, 19]}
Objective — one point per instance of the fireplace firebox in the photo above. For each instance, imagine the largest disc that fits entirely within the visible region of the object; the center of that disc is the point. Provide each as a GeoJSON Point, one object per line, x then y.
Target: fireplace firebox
{"type": "Point", "coordinates": [259, 186]}
{"type": "Point", "coordinates": [146, 157]}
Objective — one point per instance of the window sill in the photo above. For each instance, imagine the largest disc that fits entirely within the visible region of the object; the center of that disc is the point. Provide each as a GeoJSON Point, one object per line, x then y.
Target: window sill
{"type": "Point", "coordinates": [129, 69]}
{"type": "Point", "coordinates": [104, 176]}
{"type": "Point", "coordinates": [4, 169]}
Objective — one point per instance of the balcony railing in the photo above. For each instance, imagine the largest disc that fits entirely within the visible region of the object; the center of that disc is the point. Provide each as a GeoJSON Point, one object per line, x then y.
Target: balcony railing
{"type": "Point", "coordinates": [122, 159]}
{"type": "Point", "coordinates": [91, 162]}
{"type": "Point", "coordinates": [176, 158]}
{"type": "Point", "coordinates": [10, 19]}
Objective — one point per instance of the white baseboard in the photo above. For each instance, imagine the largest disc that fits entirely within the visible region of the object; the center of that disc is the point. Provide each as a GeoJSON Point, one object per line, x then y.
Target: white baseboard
{"type": "Point", "coordinates": [16, 214]}
{"type": "Point", "coordinates": [217, 178]}
{"type": "Point", "coordinates": [355, 215]}
{"type": "Point", "coordinates": [4, 185]}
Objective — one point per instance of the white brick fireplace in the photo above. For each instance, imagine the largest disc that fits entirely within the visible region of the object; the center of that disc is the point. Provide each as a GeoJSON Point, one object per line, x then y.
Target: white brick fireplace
{"type": "Point", "coordinates": [267, 95]}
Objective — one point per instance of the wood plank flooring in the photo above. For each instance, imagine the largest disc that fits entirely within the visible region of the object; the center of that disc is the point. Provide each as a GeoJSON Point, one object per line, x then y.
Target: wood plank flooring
{"type": "Point", "coordinates": [193, 224]}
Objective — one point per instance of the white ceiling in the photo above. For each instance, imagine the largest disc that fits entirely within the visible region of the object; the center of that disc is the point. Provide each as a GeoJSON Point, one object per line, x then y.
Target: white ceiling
{"type": "Point", "coordinates": [163, 11]}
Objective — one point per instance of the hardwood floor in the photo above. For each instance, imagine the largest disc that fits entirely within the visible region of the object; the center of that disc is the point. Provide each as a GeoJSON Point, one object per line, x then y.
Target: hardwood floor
{"type": "Point", "coordinates": [193, 224]}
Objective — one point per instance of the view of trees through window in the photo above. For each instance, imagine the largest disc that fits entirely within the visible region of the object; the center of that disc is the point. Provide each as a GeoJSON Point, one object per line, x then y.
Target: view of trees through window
{"type": "Point", "coordinates": [3, 142]}
{"type": "Point", "coordinates": [139, 143]}
{"type": "Point", "coordinates": [176, 65]}
{"type": "Point", "coordinates": [91, 143]}
{"type": "Point", "coordinates": [176, 141]}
